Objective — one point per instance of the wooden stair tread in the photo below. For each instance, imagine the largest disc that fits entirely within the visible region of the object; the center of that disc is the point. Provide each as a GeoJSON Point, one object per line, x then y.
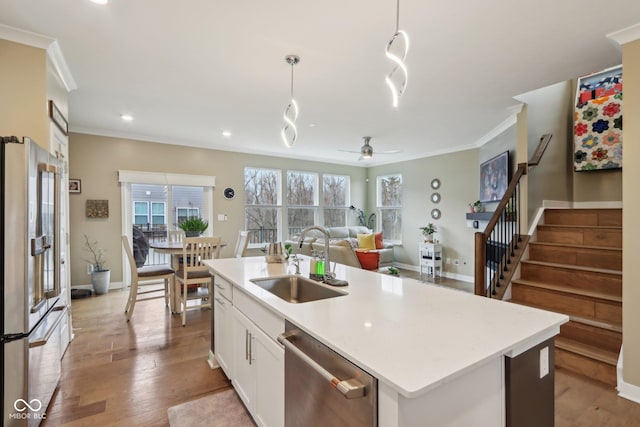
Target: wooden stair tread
{"type": "Point", "coordinates": [569, 290]}
{"type": "Point", "coordinates": [591, 352]}
{"type": "Point", "coordinates": [597, 324]}
{"type": "Point", "coordinates": [595, 227]}
{"type": "Point", "coordinates": [570, 245]}
{"type": "Point", "coordinates": [572, 267]}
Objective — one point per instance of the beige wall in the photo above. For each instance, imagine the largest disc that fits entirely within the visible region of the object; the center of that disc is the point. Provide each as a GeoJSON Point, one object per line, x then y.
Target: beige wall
{"type": "Point", "coordinates": [95, 160]}
{"type": "Point", "coordinates": [549, 111]}
{"type": "Point", "coordinates": [23, 80]}
{"type": "Point", "coordinates": [458, 173]}
{"type": "Point", "coordinates": [631, 203]}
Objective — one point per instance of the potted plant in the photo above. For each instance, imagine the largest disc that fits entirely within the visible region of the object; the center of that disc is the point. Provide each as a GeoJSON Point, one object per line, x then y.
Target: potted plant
{"type": "Point", "coordinates": [100, 276]}
{"type": "Point", "coordinates": [475, 206]}
{"type": "Point", "coordinates": [427, 232]}
{"type": "Point", "coordinates": [364, 220]}
{"type": "Point", "coordinates": [193, 226]}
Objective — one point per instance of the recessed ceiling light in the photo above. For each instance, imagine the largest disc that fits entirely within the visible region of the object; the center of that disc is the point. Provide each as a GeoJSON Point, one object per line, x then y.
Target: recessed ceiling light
{"type": "Point", "coordinates": [226, 133]}
{"type": "Point", "coordinates": [312, 125]}
{"type": "Point", "coordinates": [100, 1]}
{"type": "Point", "coordinates": [126, 117]}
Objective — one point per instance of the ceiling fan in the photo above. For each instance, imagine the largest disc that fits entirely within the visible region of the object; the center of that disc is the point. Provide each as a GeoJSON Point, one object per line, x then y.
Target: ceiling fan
{"type": "Point", "coordinates": [366, 151]}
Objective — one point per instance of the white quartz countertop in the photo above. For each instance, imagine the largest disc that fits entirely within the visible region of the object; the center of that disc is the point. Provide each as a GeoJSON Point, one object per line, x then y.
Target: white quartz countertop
{"type": "Point", "coordinates": [411, 335]}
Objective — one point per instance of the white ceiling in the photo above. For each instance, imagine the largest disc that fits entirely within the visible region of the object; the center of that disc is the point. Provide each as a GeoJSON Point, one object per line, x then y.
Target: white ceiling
{"type": "Point", "coordinates": [189, 70]}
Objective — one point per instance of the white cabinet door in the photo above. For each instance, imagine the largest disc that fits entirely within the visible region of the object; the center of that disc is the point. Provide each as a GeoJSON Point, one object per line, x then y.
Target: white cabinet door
{"type": "Point", "coordinates": [269, 359]}
{"type": "Point", "coordinates": [223, 333]}
{"type": "Point", "coordinates": [244, 375]}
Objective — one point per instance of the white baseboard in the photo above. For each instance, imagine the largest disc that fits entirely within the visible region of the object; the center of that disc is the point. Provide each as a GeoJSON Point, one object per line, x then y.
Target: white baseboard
{"type": "Point", "coordinates": [112, 285]}
{"type": "Point", "coordinates": [447, 274]}
{"type": "Point", "coordinates": [626, 390]}
{"type": "Point", "coordinates": [212, 361]}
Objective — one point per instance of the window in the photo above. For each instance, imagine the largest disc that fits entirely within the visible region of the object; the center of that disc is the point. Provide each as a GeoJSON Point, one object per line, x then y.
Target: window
{"type": "Point", "coordinates": [389, 201]}
{"type": "Point", "coordinates": [336, 198]}
{"type": "Point", "coordinates": [157, 213]}
{"type": "Point", "coordinates": [262, 200]}
{"type": "Point", "coordinates": [186, 213]}
{"type": "Point", "coordinates": [141, 213]}
{"type": "Point", "coordinates": [302, 201]}
{"type": "Point", "coordinates": [187, 202]}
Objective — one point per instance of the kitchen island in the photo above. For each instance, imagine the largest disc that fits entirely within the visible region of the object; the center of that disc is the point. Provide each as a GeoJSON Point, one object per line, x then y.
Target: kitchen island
{"type": "Point", "coordinates": [438, 354]}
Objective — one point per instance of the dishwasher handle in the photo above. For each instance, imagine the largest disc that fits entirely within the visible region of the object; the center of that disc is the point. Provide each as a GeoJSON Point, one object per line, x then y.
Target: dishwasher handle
{"type": "Point", "coordinates": [350, 389]}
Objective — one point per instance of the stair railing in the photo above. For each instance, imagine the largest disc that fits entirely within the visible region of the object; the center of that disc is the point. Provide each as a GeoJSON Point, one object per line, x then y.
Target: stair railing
{"type": "Point", "coordinates": [496, 246]}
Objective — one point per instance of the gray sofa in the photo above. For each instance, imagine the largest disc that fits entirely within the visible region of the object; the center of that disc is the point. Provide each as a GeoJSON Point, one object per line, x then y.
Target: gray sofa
{"type": "Point", "coordinates": [343, 241]}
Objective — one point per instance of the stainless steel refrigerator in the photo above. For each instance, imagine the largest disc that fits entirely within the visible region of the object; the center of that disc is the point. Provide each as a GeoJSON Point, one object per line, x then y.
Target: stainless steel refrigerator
{"type": "Point", "coordinates": [31, 303]}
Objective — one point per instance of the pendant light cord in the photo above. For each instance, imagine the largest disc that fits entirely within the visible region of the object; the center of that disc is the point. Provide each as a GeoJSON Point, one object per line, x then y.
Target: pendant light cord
{"type": "Point", "coordinates": [397, 15]}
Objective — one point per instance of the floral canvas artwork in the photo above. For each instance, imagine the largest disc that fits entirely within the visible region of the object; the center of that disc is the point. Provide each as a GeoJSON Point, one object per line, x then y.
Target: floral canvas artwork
{"type": "Point", "coordinates": [597, 130]}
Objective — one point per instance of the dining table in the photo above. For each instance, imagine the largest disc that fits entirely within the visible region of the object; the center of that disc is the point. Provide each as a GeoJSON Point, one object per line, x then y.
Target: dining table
{"type": "Point", "coordinates": [175, 250]}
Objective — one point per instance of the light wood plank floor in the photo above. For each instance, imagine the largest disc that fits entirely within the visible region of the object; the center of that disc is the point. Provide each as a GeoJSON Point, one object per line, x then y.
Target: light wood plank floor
{"type": "Point", "coordinates": [119, 374]}
{"type": "Point", "coordinates": [116, 373]}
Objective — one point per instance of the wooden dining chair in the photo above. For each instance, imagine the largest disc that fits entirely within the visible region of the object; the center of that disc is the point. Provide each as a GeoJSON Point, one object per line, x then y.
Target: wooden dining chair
{"type": "Point", "coordinates": [241, 244]}
{"type": "Point", "coordinates": [145, 273]}
{"type": "Point", "coordinates": [195, 250]}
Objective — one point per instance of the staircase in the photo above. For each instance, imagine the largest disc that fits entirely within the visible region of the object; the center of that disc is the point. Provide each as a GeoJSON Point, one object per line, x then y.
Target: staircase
{"type": "Point", "coordinates": [575, 268]}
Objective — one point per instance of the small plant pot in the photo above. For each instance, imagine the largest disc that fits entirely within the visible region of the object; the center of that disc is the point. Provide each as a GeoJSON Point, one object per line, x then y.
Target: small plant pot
{"type": "Point", "coordinates": [192, 234]}
{"type": "Point", "coordinates": [100, 281]}
{"type": "Point", "coordinates": [428, 238]}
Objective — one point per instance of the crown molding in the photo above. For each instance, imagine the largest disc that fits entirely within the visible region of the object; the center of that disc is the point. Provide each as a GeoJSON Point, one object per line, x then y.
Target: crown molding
{"type": "Point", "coordinates": [625, 35]}
{"type": "Point", "coordinates": [25, 37]}
{"type": "Point", "coordinates": [47, 43]}
{"type": "Point", "coordinates": [506, 124]}
{"type": "Point", "coordinates": [60, 64]}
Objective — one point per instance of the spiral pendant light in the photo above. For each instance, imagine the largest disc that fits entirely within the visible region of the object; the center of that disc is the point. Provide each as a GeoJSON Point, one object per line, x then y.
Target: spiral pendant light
{"type": "Point", "coordinates": [290, 131]}
{"type": "Point", "coordinates": [392, 79]}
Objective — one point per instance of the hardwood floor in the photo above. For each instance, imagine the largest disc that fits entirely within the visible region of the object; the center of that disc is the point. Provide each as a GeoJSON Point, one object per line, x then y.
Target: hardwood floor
{"type": "Point", "coordinates": [122, 374]}
{"type": "Point", "coordinates": [440, 281]}
{"type": "Point", "coordinates": [116, 373]}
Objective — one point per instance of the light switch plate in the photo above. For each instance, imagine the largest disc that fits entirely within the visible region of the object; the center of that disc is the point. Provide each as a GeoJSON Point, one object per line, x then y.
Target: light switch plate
{"type": "Point", "coordinates": [544, 362]}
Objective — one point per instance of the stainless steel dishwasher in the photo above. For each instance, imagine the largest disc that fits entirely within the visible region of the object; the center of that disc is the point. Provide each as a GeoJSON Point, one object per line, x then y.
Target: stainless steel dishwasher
{"type": "Point", "coordinates": [323, 388]}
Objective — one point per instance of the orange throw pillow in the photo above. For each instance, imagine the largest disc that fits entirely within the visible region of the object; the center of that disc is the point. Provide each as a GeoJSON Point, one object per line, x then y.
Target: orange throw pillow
{"type": "Point", "coordinates": [368, 260]}
{"type": "Point", "coordinates": [378, 239]}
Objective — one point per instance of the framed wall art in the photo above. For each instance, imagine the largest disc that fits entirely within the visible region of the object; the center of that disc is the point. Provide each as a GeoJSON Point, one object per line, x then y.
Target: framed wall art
{"type": "Point", "coordinates": [597, 127]}
{"type": "Point", "coordinates": [97, 209]}
{"type": "Point", "coordinates": [494, 178]}
{"type": "Point", "coordinates": [58, 118]}
{"type": "Point", "coordinates": [75, 186]}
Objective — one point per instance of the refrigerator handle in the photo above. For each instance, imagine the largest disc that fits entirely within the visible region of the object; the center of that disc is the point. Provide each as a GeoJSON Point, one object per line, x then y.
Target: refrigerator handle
{"type": "Point", "coordinates": [53, 327]}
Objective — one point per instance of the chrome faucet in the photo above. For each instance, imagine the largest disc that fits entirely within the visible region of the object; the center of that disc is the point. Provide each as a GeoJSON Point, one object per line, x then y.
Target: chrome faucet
{"type": "Point", "coordinates": [327, 270]}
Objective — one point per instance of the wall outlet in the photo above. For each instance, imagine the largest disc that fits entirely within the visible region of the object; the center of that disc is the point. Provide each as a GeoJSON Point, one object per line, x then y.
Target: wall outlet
{"type": "Point", "coordinates": [544, 362]}
{"type": "Point", "coordinates": [89, 268]}
{"type": "Point", "coordinates": [448, 260]}
{"type": "Point", "coordinates": [456, 262]}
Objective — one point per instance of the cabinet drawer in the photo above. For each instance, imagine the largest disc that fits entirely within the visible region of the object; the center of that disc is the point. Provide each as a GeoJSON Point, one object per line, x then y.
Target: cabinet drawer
{"type": "Point", "coordinates": [265, 319]}
{"type": "Point", "coordinates": [225, 288]}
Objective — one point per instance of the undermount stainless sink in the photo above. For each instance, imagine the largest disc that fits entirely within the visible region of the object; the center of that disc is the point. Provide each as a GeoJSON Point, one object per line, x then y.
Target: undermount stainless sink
{"type": "Point", "coordinates": [296, 289]}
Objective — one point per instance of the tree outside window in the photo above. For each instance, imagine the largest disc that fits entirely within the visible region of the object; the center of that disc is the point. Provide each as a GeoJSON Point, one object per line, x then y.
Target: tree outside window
{"type": "Point", "coordinates": [302, 201]}
{"type": "Point", "coordinates": [262, 198]}
{"type": "Point", "coordinates": [389, 203]}
{"type": "Point", "coordinates": [336, 200]}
